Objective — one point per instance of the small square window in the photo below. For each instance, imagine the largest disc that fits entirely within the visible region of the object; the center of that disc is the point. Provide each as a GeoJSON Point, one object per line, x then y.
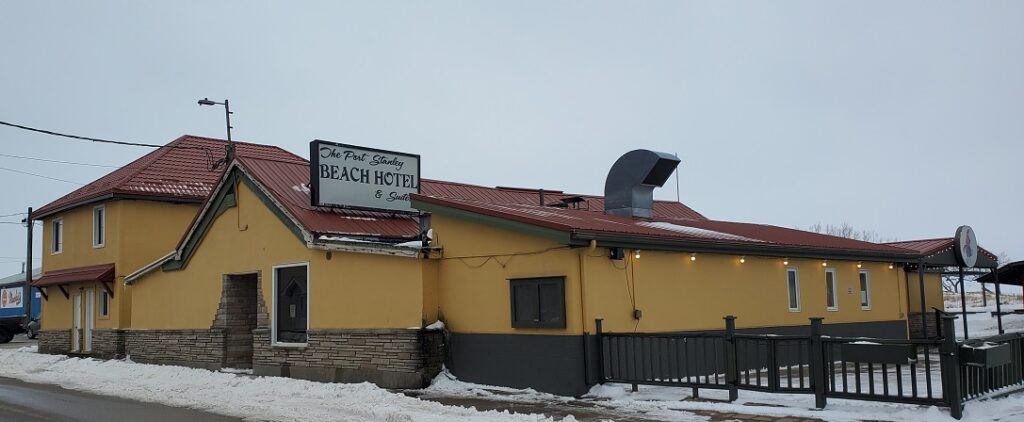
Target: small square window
{"type": "Point", "coordinates": [538, 302]}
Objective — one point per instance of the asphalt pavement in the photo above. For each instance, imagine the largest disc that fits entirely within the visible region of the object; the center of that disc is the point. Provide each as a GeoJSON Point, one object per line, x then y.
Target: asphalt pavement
{"type": "Point", "coordinates": [25, 402]}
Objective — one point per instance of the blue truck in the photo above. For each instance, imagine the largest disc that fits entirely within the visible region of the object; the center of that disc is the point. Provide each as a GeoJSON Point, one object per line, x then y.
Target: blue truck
{"type": "Point", "coordinates": [12, 307]}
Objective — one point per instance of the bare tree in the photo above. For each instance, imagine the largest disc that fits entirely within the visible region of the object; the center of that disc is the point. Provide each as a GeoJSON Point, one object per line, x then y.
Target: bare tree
{"type": "Point", "coordinates": [848, 231]}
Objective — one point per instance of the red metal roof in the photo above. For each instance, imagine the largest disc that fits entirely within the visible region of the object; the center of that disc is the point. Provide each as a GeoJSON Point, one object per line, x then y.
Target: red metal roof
{"type": "Point", "coordinates": [929, 247]}
{"type": "Point", "coordinates": [287, 181]}
{"type": "Point", "coordinates": [506, 195]}
{"type": "Point", "coordinates": [95, 273]}
{"type": "Point", "coordinates": [720, 232]}
{"type": "Point", "coordinates": [179, 171]}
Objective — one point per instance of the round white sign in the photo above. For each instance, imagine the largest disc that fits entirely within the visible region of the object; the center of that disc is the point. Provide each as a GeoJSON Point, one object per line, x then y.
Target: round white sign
{"type": "Point", "coordinates": [966, 246]}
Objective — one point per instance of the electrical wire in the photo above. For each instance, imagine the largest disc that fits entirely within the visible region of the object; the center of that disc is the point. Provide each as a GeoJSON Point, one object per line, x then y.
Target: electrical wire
{"type": "Point", "coordinates": [14, 215]}
{"type": "Point", "coordinates": [209, 155]}
{"type": "Point", "coordinates": [39, 175]}
{"type": "Point", "coordinates": [56, 161]}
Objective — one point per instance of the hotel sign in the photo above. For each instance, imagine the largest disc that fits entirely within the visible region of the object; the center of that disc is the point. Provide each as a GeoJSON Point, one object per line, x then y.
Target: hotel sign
{"type": "Point", "coordinates": [349, 176]}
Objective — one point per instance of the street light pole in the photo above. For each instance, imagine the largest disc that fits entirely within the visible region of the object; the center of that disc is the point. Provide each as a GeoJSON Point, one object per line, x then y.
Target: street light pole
{"type": "Point", "coordinates": [227, 119]}
{"type": "Point", "coordinates": [27, 295]}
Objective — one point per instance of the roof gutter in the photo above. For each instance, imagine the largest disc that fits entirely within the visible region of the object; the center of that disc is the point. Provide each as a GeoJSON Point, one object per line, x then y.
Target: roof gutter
{"type": "Point", "coordinates": [767, 249]}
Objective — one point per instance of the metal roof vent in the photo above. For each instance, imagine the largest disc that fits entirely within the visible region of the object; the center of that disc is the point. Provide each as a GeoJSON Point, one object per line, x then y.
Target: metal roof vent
{"type": "Point", "coordinates": [629, 189]}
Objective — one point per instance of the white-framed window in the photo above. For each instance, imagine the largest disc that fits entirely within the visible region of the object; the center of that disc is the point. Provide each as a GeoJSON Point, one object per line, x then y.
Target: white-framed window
{"type": "Point", "coordinates": [56, 236]}
{"type": "Point", "coordinates": [104, 307]}
{"type": "Point", "coordinates": [290, 321]}
{"type": "Point", "coordinates": [99, 226]}
{"type": "Point", "coordinates": [865, 290]}
{"type": "Point", "coordinates": [793, 287]}
{"type": "Point", "coordinates": [831, 290]}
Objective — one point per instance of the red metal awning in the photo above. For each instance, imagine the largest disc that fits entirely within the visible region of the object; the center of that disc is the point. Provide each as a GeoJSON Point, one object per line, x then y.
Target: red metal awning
{"type": "Point", "coordinates": [103, 273]}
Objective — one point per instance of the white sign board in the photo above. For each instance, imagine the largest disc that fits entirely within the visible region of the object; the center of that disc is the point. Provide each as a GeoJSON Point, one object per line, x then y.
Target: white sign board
{"type": "Point", "coordinates": [363, 178]}
{"type": "Point", "coordinates": [11, 297]}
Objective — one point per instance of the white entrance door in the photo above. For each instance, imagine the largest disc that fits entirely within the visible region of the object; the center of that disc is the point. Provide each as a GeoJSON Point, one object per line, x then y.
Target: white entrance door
{"type": "Point", "coordinates": [76, 326]}
{"type": "Point", "coordinates": [90, 320]}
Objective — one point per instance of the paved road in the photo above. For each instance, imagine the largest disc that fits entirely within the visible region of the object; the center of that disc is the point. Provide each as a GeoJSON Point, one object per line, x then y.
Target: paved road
{"type": "Point", "coordinates": [18, 342]}
{"type": "Point", "coordinates": [26, 402]}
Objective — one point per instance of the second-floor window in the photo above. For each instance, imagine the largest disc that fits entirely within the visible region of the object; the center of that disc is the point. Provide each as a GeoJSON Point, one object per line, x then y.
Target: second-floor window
{"type": "Point", "coordinates": [99, 225]}
{"type": "Point", "coordinates": [57, 233]}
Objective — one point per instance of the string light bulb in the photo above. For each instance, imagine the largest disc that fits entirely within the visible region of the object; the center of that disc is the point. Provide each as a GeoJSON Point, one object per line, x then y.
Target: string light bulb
{"type": "Point", "coordinates": [636, 254]}
{"type": "Point", "coordinates": [693, 256]}
{"type": "Point", "coordinates": [743, 259]}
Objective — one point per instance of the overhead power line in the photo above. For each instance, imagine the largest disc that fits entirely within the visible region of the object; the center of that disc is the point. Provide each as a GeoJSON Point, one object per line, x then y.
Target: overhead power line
{"type": "Point", "coordinates": [56, 161]}
{"type": "Point", "coordinates": [39, 175]}
{"type": "Point", "coordinates": [14, 215]}
{"type": "Point", "coordinates": [84, 138]}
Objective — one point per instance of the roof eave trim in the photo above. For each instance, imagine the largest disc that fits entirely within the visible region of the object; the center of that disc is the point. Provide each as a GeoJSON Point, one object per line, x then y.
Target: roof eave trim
{"type": "Point", "coordinates": [560, 236]}
{"type": "Point", "coordinates": [767, 249]}
{"type": "Point", "coordinates": [137, 274]}
{"type": "Point", "coordinates": [366, 248]}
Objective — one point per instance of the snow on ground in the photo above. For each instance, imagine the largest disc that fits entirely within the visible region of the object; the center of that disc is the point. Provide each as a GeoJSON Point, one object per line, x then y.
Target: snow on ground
{"type": "Point", "coordinates": [981, 323]}
{"type": "Point", "coordinates": [673, 404]}
{"type": "Point", "coordinates": [252, 398]}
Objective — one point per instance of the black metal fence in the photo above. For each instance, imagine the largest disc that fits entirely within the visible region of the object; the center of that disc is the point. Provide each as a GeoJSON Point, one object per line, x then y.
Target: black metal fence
{"type": "Point", "coordinates": [940, 372]}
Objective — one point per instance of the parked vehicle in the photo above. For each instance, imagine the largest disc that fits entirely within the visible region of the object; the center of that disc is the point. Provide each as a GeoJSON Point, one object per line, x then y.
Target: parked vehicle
{"type": "Point", "coordinates": [9, 326]}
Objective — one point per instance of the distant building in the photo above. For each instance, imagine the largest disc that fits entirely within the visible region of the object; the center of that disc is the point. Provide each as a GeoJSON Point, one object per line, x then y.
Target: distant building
{"type": "Point", "coordinates": [12, 292]}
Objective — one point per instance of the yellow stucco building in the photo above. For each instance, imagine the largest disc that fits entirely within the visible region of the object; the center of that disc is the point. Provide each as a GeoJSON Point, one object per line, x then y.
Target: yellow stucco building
{"type": "Point", "coordinates": [261, 275]}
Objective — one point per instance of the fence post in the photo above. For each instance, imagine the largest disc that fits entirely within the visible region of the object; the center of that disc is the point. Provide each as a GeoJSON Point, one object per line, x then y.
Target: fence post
{"type": "Point", "coordinates": [949, 361]}
{"type": "Point", "coordinates": [818, 381]}
{"type": "Point", "coordinates": [731, 374]}
{"type": "Point", "coordinates": [938, 324]}
{"type": "Point", "coordinates": [598, 322]}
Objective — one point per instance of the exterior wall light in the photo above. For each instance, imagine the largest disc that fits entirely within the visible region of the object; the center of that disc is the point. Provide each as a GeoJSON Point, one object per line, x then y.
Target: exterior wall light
{"type": "Point", "coordinates": [824, 263]}
{"type": "Point", "coordinates": [693, 256]}
{"type": "Point", "coordinates": [636, 254]}
{"type": "Point", "coordinates": [891, 266]}
{"type": "Point", "coordinates": [743, 259]}
{"type": "Point", "coordinates": [785, 261]}
{"type": "Point", "coordinates": [860, 264]}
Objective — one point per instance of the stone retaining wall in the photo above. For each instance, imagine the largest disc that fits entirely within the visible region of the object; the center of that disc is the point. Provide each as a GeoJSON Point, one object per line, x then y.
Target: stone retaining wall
{"type": "Point", "coordinates": [390, 358]}
{"type": "Point", "coordinates": [108, 344]}
{"type": "Point", "coordinates": [194, 348]}
{"type": "Point", "coordinates": [55, 342]}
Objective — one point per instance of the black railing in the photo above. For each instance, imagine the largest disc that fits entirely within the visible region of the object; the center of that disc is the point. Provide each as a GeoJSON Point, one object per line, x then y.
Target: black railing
{"type": "Point", "coordinates": [932, 372]}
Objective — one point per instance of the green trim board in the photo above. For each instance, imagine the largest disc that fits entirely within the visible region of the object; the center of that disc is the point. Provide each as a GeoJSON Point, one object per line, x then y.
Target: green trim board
{"type": "Point", "coordinates": [501, 223]}
{"type": "Point", "coordinates": [226, 197]}
{"type": "Point", "coordinates": [578, 238]}
{"type": "Point", "coordinates": [627, 242]}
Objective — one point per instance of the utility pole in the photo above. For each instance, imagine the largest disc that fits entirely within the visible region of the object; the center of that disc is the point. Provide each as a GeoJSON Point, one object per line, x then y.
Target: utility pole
{"type": "Point", "coordinates": [28, 270]}
{"type": "Point", "coordinates": [227, 118]}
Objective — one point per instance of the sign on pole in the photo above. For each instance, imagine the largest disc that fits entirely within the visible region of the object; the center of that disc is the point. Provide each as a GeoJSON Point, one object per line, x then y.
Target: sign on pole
{"type": "Point", "coordinates": [966, 246]}
{"type": "Point", "coordinates": [350, 176]}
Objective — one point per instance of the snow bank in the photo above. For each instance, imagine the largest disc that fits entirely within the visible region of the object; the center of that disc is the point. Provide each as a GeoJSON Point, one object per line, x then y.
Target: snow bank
{"type": "Point", "coordinates": [252, 398]}
{"type": "Point", "coordinates": [669, 403]}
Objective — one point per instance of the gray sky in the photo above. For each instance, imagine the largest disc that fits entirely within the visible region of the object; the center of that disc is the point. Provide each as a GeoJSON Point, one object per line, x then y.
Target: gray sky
{"type": "Point", "coordinates": [901, 118]}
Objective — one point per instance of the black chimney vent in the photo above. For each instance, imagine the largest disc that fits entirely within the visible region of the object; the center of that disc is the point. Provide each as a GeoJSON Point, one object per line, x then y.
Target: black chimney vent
{"type": "Point", "coordinates": [629, 189]}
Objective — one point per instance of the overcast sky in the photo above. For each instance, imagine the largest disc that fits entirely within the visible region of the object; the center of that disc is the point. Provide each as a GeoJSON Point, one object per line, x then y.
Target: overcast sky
{"type": "Point", "coordinates": [900, 118]}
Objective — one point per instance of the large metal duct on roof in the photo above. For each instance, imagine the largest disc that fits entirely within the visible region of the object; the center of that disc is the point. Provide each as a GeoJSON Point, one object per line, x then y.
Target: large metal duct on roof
{"type": "Point", "coordinates": [629, 189]}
